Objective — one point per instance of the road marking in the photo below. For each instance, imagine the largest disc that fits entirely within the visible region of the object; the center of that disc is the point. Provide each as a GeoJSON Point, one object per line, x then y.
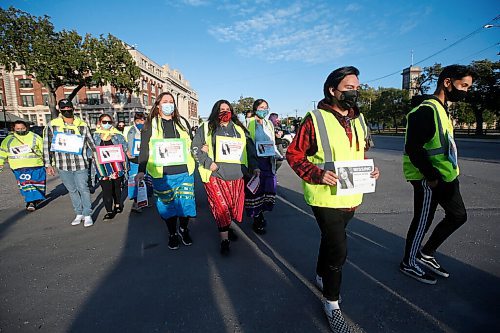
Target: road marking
{"type": "Point", "coordinates": [312, 216]}
{"type": "Point", "coordinates": [415, 307]}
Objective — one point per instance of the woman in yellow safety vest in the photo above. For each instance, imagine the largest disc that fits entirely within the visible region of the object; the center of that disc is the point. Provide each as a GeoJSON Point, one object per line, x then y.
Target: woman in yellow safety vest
{"type": "Point", "coordinates": [23, 150]}
{"type": "Point", "coordinates": [225, 154]}
{"type": "Point", "coordinates": [165, 154]}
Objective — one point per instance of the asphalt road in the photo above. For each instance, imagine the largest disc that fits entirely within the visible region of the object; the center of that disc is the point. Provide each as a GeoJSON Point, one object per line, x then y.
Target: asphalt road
{"type": "Point", "coordinates": [120, 276]}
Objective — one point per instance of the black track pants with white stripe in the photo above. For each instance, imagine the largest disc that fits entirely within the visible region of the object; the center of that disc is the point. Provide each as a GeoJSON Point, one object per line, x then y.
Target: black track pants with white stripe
{"type": "Point", "coordinates": [425, 201]}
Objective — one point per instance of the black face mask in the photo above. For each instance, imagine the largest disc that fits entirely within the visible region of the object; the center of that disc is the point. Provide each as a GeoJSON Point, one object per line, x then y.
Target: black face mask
{"type": "Point", "coordinates": [455, 95]}
{"type": "Point", "coordinates": [348, 99]}
{"type": "Point", "coordinates": [67, 113]}
{"type": "Point", "coordinates": [22, 133]}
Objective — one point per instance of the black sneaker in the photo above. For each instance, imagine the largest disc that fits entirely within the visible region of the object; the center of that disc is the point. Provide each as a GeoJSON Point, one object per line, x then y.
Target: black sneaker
{"type": "Point", "coordinates": [224, 247]}
{"type": "Point", "coordinates": [185, 238]}
{"type": "Point", "coordinates": [431, 263]}
{"type": "Point", "coordinates": [173, 242]}
{"type": "Point", "coordinates": [232, 235]}
{"type": "Point", "coordinates": [258, 225]}
{"type": "Point", "coordinates": [336, 319]}
{"type": "Point", "coordinates": [417, 273]}
{"type": "Point", "coordinates": [30, 207]}
{"type": "Point", "coordinates": [109, 216]}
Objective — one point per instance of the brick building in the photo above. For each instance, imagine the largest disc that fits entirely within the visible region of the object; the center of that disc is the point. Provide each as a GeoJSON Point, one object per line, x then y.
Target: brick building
{"type": "Point", "coordinates": [25, 97]}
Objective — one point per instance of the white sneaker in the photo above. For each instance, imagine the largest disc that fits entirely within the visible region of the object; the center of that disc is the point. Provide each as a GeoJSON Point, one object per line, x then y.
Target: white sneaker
{"type": "Point", "coordinates": [88, 221]}
{"type": "Point", "coordinates": [78, 219]}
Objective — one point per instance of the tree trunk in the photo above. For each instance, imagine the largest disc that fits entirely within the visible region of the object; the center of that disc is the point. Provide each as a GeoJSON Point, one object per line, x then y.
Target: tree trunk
{"type": "Point", "coordinates": [52, 103]}
{"type": "Point", "coordinates": [479, 121]}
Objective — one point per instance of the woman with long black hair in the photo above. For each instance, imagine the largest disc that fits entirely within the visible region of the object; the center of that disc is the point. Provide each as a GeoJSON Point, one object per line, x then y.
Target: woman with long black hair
{"type": "Point", "coordinates": [165, 154]}
{"type": "Point", "coordinates": [226, 154]}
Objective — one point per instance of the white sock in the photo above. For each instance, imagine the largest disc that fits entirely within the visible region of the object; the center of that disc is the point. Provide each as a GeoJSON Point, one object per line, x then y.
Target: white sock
{"type": "Point", "coordinates": [331, 305]}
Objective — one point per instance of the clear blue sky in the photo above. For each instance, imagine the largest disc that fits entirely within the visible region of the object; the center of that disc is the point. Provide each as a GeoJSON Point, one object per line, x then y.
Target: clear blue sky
{"type": "Point", "coordinates": [282, 51]}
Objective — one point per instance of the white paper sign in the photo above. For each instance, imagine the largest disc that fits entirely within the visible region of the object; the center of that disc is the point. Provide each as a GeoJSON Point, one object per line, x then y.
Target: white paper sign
{"type": "Point", "coordinates": [354, 177]}
{"type": "Point", "coordinates": [136, 147]}
{"type": "Point", "coordinates": [23, 149]}
{"type": "Point", "coordinates": [67, 143]}
{"type": "Point", "coordinates": [253, 184]}
{"type": "Point", "coordinates": [142, 195]}
{"type": "Point", "coordinates": [169, 152]}
{"type": "Point", "coordinates": [229, 150]}
{"type": "Point", "coordinates": [109, 154]}
{"type": "Point", "coordinates": [265, 148]}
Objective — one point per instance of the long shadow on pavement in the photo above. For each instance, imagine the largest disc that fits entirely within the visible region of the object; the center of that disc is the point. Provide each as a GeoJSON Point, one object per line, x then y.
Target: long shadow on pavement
{"type": "Point", "coordinates": [265, 283]}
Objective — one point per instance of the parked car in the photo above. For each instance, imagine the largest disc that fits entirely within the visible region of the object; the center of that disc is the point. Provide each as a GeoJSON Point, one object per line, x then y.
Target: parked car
{"type": "Point", "coordinates": [3, 133]}
{"type": "Point", "coordinates": [37, 129]}
{"type": "Point", "coordinates": [287, 138]}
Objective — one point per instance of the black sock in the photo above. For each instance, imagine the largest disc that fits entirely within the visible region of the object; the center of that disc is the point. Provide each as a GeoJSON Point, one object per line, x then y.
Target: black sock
{"type": "Point", "coordinates": [183, 222]}
{"type": "Point", "coordinates": [172, 225]}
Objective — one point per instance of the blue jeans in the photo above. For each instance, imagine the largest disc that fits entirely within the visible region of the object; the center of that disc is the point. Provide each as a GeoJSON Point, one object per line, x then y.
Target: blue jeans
{"type": "Point", "coordinates": [78, 188]}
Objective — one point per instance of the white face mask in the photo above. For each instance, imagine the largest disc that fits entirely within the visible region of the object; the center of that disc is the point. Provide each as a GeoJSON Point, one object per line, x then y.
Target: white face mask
{"type": "Point", "coordinates": [106, 126]}
{"type": "Point", "coordinates": [167, 108]}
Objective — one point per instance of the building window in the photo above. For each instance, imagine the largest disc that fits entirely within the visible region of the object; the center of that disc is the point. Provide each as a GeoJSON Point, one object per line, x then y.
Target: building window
{"type": "Point", "coordinates": [45, 98]}
{"type": "Point", "coordinates": [121, 97]}
{"type": "Point", "coordinates": [25, 83]}
{"type": "Point", "coordinates": [145, 100]}
{"type": "Point", "coordinates": [1, 99]}
{"type": "Point", "coordinates": [93, 99]}
{"type": "Point", "coordinates": [28, 100]}
{"type": "Point", "coordinates": [48, 117]}
{"type": "Point", "coordinates": [123, 116]}
{"type": "Point", "coordinates": [144, 85]}
{"type": "Point", "coordinates": [153, 99]}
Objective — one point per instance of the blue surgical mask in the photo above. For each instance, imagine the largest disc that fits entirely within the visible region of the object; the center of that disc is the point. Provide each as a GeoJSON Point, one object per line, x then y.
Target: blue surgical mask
{"type": "Point", "coordinates": [106, 126]}
{"type": "Point", "coordinates": [167, 108]}
{"type": "Point", "coordinates": [262, 113]}
{"type": "Point", "coordinates": [139, 126]}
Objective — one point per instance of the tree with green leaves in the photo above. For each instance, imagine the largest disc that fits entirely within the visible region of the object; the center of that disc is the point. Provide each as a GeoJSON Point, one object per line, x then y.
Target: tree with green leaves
{"type": "Point", "coordinates": [367, 97]}
{"type": "Point", "coordinates": [485, 91]}
{"type": "Point", "coordinates": [56, 59]}
{"type": "Point", "coordinates": [428, 77]}
{"type": "Point", "coordinates": [243, 105]}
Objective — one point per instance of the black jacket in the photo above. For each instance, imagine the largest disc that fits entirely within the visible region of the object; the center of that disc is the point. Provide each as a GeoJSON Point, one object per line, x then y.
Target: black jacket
{"type": "Point", "coordinates": [420, 129]}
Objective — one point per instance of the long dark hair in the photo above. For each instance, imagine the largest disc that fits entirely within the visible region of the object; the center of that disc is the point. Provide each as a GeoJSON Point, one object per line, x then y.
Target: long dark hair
{"type": "Point", "coordinates": [257, 103]}
{"type": "Point", "coordinates": [155, 112]}
{"type": "Point", "coordinates": [213, 119]}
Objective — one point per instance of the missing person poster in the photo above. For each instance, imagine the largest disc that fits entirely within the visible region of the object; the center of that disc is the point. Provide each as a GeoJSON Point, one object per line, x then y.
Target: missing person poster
{"type": "Point", "coordinates": [142, 195]}
{"type": "Point", "coordinates": [354, 177]}
{"type": "Point", "coordinates": [110, 154]}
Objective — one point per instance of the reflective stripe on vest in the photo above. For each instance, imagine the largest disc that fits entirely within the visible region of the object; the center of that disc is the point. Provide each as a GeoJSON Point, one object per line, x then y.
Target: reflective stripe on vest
{"type": "Point", "coordinates": [157, 133]}
{"type": "Point", "coordinates": [437, 147]}
{"type": "Point", "coordinates": [26, 160]}
{"type": "Point", "coordinates": [206, 173]}
{"type": "Point", "coordinates": [333, 145]}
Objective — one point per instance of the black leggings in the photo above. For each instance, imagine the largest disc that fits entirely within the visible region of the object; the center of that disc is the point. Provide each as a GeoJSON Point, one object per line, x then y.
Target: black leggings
{"type": "Point", "coordinates": [111, 192]}
{"type": "Point", "coordinates": [333, 248]}
{"type": "Point", "coordinates": [171, 223]}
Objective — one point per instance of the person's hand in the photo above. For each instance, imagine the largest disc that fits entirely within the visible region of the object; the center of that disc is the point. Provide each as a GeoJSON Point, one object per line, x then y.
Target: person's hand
{"type": "Point", "coordinates": [50, 171]}
{"type": "Point", "coordinates": [375, 173]}
{"type": "Point", "coordinates": [432, 183]}
{"type": "Point", "coordinates": [213, 166]}
{"type": "Point", "coordinates": [256, 172]}
{"type": "Point", "coordinates": [329, 178]}
{"type": "Point", "coordinates": [204, 149]}
{"type": "Point", "coordinates": [129, 155]}
{"type": "Point", "coordinates": [139, 177]}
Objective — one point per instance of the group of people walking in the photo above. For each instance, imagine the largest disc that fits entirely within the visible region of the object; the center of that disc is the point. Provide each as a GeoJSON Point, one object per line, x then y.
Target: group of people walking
{"type": "Point", "coordinates": [237, 165]}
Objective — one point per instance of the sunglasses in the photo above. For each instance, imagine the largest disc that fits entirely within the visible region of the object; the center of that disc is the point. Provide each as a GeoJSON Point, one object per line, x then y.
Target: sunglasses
{"type": "Point", "coordinates": [106, 122]}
